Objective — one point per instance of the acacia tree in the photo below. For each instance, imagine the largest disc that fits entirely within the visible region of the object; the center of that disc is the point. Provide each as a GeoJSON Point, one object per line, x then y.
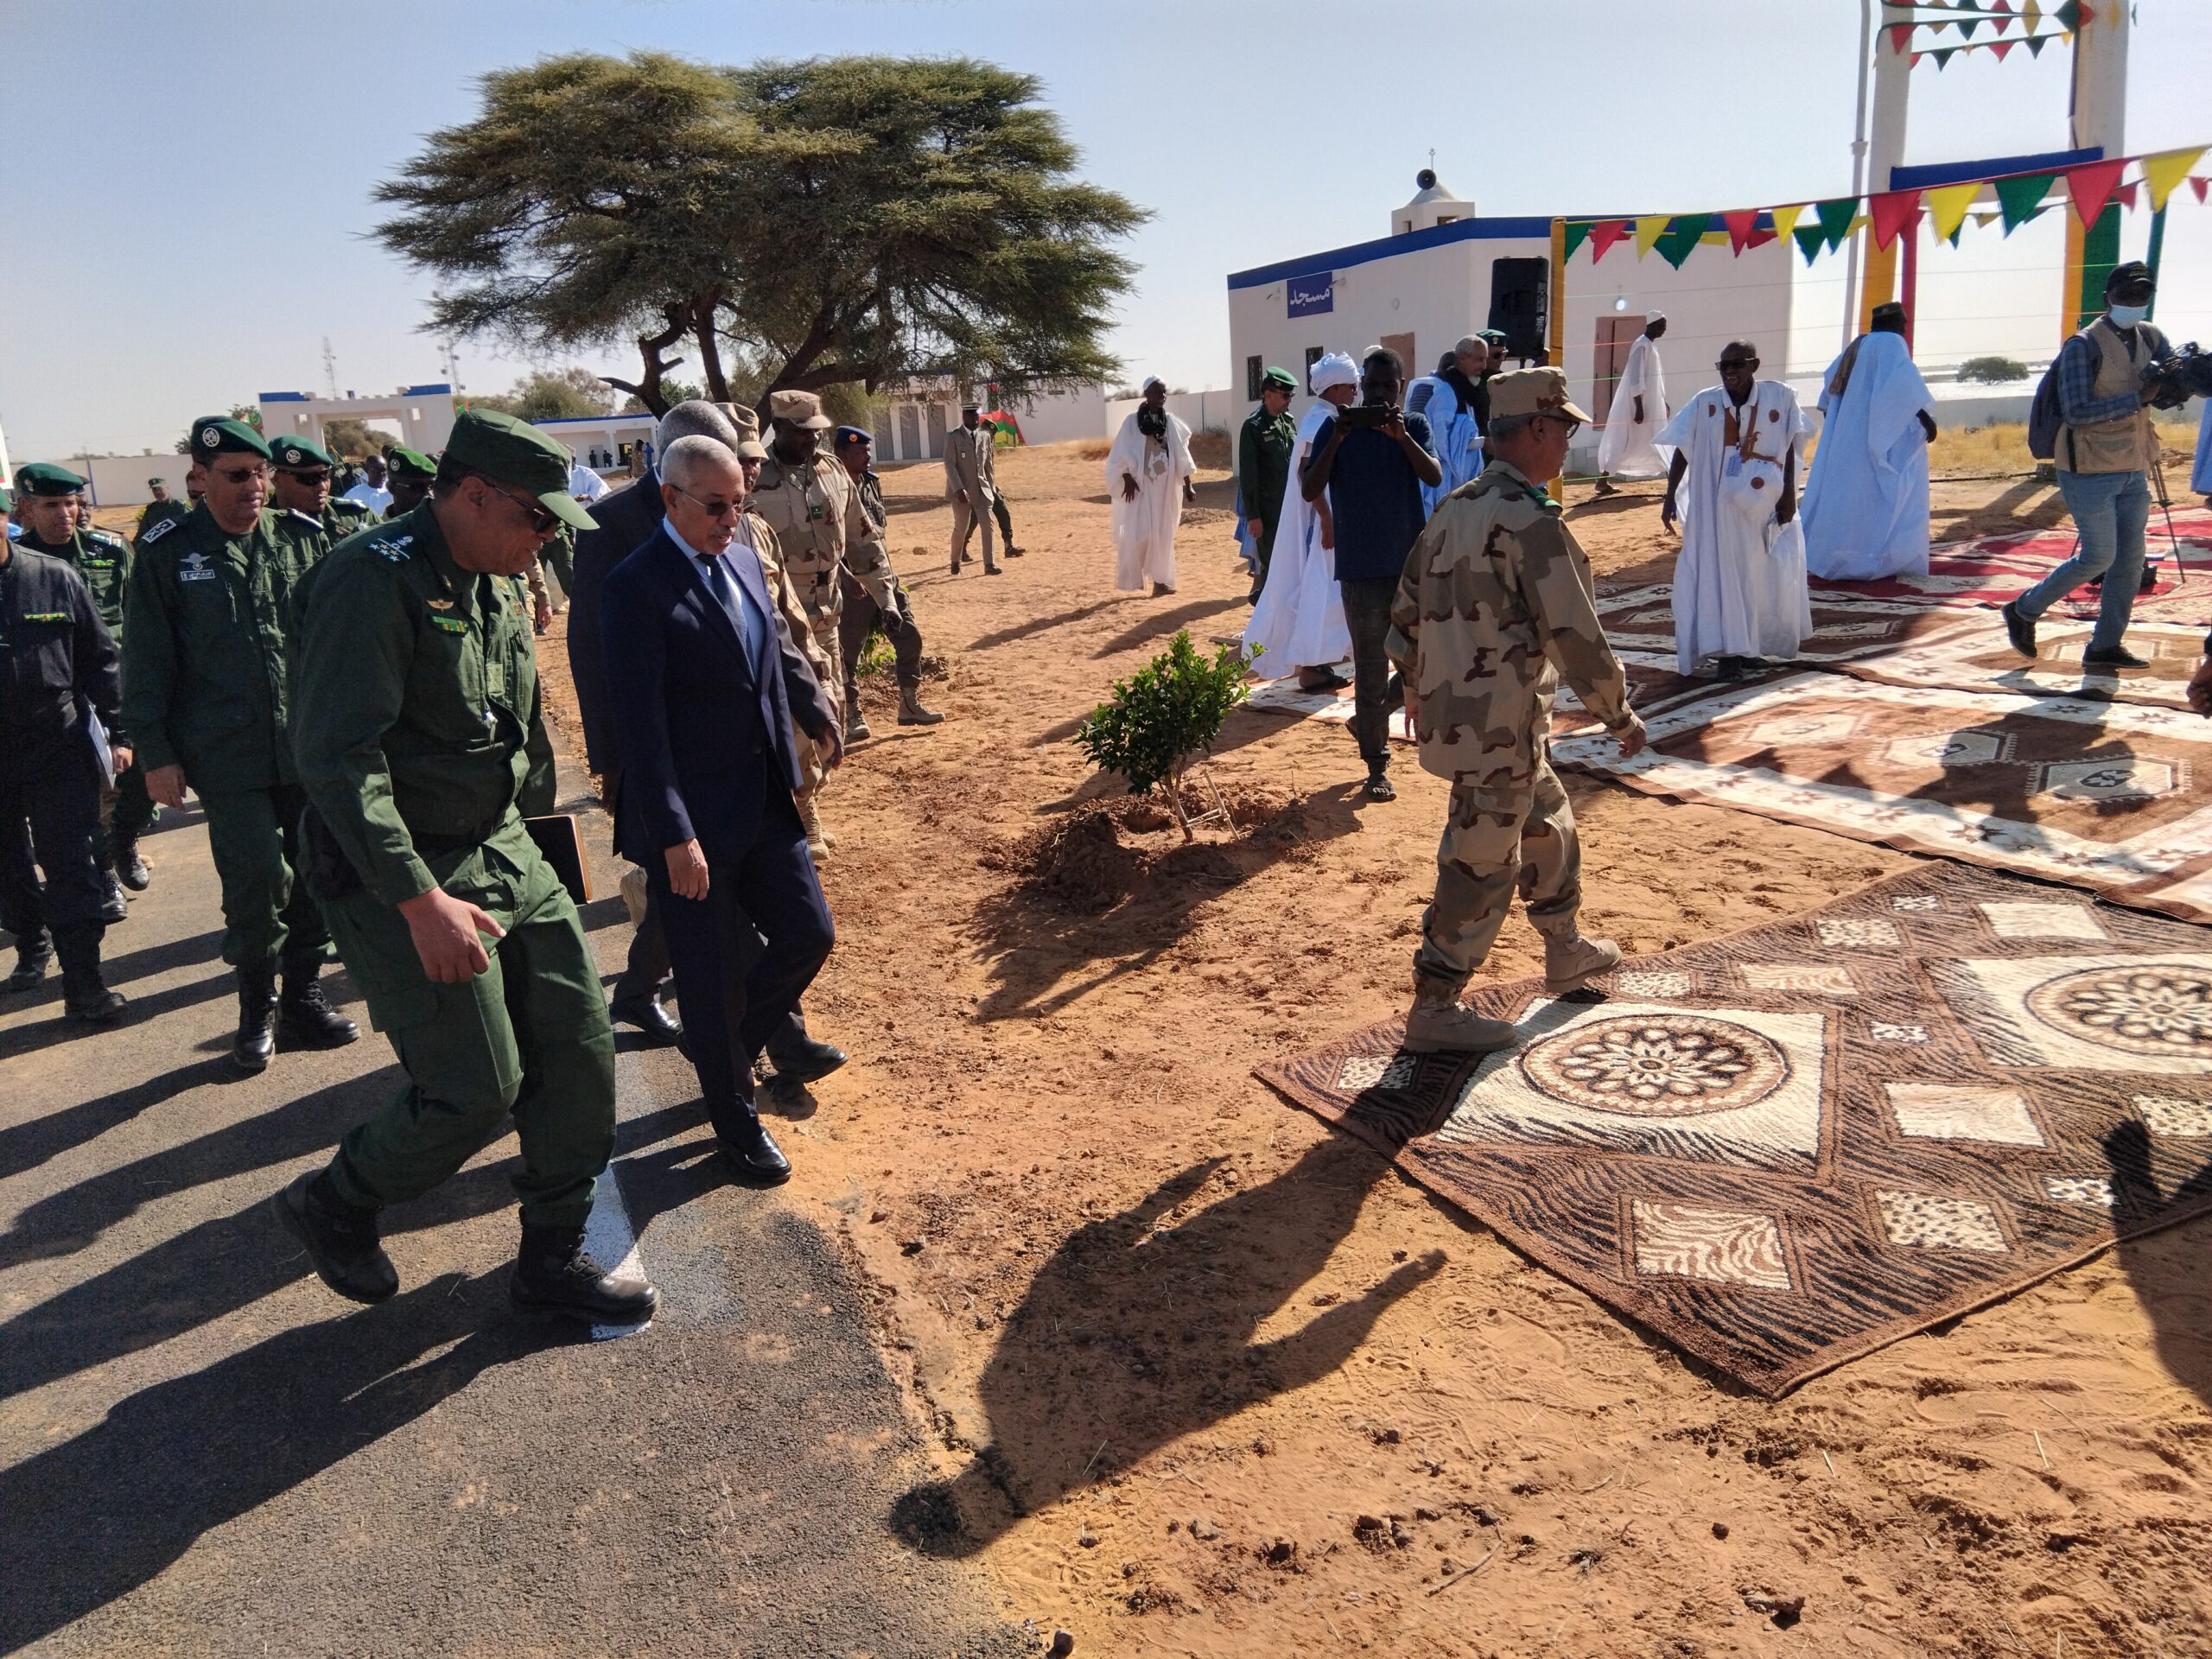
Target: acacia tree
{"type": "Point", "coordinates": [836, 220]}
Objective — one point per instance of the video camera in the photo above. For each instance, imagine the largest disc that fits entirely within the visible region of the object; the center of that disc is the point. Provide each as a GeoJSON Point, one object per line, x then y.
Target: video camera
{"type": "Point", "coordinates": [2178, 376]}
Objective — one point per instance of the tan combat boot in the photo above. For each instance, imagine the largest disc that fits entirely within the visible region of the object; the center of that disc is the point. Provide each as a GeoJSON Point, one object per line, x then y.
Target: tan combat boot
{"type": "Point", "coordinates": [1439, 1023]}
{"type": "Point", "coordinates": [1572, 960]}
{"type": "Point", "coordinates": [910, 712]}
{"type": "Point", "coordinates": [818, 840]}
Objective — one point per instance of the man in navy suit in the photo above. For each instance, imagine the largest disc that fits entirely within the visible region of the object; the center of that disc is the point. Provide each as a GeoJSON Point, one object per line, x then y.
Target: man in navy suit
{"type": "Point", "coordinates": [711, 686]}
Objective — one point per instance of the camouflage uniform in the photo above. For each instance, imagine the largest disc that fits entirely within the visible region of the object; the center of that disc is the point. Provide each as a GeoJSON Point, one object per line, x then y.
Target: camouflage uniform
{"type": "Point", "coordinates": [813, 511]}
{"type": "Point", "coordinates": [1494, 593]}
{"type": "Point", "coordinates": [775, 572]}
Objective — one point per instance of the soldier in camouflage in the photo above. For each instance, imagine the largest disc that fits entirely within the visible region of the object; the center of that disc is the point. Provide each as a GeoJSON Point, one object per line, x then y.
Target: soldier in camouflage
{"type": "Point", "coordinates": [1495, 606]}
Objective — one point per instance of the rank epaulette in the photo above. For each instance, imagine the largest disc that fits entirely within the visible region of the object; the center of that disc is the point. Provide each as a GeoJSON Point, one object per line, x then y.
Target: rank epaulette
{"type": "Point", "coordinates": [154, 533]}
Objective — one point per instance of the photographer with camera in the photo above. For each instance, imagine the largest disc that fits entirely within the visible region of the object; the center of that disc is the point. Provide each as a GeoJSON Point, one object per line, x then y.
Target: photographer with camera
{"type": "Point", "coordinates": [2108, 376]}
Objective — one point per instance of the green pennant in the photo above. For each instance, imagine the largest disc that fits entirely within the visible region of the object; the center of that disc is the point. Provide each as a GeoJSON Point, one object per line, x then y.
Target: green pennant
{"type": "Point", "coordinates": [1967, 24]}
{"type": "Point", "coordinates": [2068, 15]}
{"type": "Point", "coordinates": [1680, 235]}
{"type": "Point", "coordinates": [1943, 55]}
{"type": "Point", "coordinates": [1577, 230]}
{"type": "Point", "coordinates": [1835, 219]}
{"type": "Point", "coordinates": [2020, 199]}
{"type": "Point", "coordinates": [2034, 43]}
{"type": "Point", "coordinates": [1809, 238]}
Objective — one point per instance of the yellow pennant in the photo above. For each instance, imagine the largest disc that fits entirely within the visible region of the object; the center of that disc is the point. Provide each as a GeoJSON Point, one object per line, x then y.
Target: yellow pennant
{"type": "Point", "coordinates": [1648, 230]}
{"type": "Point", "coordinates": [1948, 205]}
{"type": "Point", "coordinates": [1785, 219]}
{"type": "Point", "coordinates": [2167, 170]}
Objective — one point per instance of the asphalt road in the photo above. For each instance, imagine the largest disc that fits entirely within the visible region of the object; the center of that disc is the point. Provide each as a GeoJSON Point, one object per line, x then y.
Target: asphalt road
{"type": "Point", "coordinates": [204, 1452]}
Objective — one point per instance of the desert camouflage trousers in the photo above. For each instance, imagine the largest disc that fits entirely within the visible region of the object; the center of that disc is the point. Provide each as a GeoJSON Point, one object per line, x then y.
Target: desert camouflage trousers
{"type": "Point", "coordinates": [1484, 856]}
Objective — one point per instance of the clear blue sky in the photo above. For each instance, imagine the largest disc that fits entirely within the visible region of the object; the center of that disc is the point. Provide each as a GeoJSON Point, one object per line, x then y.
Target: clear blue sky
{"type": "Point", "coordinates": [192, 186]}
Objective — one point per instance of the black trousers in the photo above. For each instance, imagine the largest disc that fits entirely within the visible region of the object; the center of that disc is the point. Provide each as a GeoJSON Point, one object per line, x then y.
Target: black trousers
{"type": "Point", "coordinates": [860, 615]}
{"type": "Point", "coordinates": [744, 954]}
{"type": "Point", "coordinates": [999, 512]}
{"type": "Point", "coordinates": [52, 824]}
{"type": "Point", "coordinates": [1367, 616]}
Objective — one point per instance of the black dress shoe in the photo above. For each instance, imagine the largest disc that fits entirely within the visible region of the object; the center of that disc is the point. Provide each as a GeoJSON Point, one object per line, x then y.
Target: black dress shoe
{"type": "Point", "coordinates": [114, 907]}
{"type": "Point", "coordinates": [341, 1240]}
{"type": "Point", "coordinates": [2113, 657]}
{"type": "Point", "coordinates": [2019, 630]}
{"type": "Point", "coordinates": [753, 1152]}
{"type": "Point", "coordinates": [647, 1014]}
{"type": "Point", "coordinates": [554, 1275]}
{"type": "Point", "coordinates": [85, 998]}
{"type": "Point", "coordinates": [806, 1061]}
{"type": "Point", "coordinates": [131, 869]}
{"type": "Point", "coordinates": [257, 1033]}
{"type": "Point", "coordinates": [306, 1014]}
{"type": "Point", "coordinates": [1377, 787]}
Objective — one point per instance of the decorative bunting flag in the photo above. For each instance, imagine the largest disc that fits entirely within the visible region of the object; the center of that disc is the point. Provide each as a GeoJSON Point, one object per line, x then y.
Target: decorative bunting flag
{"type": "Point", "coordinates": [1743, 222]}
{"type": "Point", "coordinates": [2001, 47]}
{"type": "Point", "coordinates": [2090, 185]}
{"type": "Point", "coordinates": [1785, 219]}
{"type": "Point", "coordinates": [1900, 37]}
{"type": "Point", "coordinates": [1892, 211]}
{"type": "Point", "coordinates": [1603, 234]}
{"type": "Point", "coordinates": [2035, 45]}
{"type": "Point", "coordinates": [1835, 219]}
{"type": "Point", "coordinates": [2162, 172]}
{"type": "Point", "coordinates": [1576, 229]}
{"type": "Point", "coordinates": [1649, 229]}
{"type": "Point", "coordinates": [2021, 197]}
{"type": "Point", "coordinates": [1809, 240]}
{"type": "Point", "coordinates": [1683, 233]}
{"type": "Point", "coordinates": [2031, 14]}
{"type": "Point", "coordinates": [2069, 16]}
{"type": "Point", "coordinates": [2125, 196]}
{"type": "Point", "coordinates": [1948, 205]}
{"type": "Point", "coordinates": [2198, 184]}
{"type": "Point", "coordinates": [1943, 55]}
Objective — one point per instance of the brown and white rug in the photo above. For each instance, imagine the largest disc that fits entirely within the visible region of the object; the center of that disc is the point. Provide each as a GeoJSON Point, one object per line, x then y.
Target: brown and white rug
{"type": "Point", "coordinates": [1972, 655]}
{"type": "Point", "coordinates": [2096, 794]}
{"type": "Point", "coordinates": [1786, 1148]}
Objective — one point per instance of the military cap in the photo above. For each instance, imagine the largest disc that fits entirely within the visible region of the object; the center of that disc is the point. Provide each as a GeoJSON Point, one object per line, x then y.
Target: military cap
{"type": "Point", "coordinates": [1281, 380]}
{"type": "Point", "coordinates": [411, 463]}
{"type": "Point", "coordinates": [749, 447]}
{"type": "Point", "coordinates": [44, 478]}
{"type": "Point", "coordinates": [295, 453]}
{"type": "Point", "coordinates": [800, 409]}
{"type": "Point", "coordinates": [2133, 274]}
{"type": "Point", "coordinates": [1533, 392]}
{"type": "Point", "coordinates": [216, 434]}
{"type": "Point", "coordinates": [846, 435]}
{"type": "Point", "coordinates": [152, 483]}
{"type": "Point", "coordinates": [508, 451]}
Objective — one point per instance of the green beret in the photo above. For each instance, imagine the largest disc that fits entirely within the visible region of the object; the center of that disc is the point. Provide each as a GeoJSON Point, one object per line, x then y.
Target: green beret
{"type": "Point", "coordinates": [44, 478]}
{"type": "Point", "coordinates": [216, 434]}
{"type": "Point", "coordinates": [1279, 379]}
{"type": "Point", "coordinates": [514, 453]}
{"type": "Point", "coordinates": [298, 451]}
{"type": "Point", "coordinates": [413, 463]}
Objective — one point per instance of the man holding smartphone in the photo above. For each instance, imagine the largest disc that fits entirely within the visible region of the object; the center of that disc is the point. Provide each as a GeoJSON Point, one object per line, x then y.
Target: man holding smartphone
{"type": "Point", "coordinates": [1373, 459]}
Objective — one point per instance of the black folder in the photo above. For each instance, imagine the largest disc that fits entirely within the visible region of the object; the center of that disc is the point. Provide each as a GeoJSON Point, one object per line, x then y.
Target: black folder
{"type": "Point", "coordinates": [562, 844]}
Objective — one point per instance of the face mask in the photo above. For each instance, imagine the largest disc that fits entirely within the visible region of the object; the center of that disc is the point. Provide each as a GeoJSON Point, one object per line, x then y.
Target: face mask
{"type": "Point", "coordinates": [2126, 316]}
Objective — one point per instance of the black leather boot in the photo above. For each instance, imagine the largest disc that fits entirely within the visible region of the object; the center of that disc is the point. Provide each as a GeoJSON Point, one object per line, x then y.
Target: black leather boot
{"type": "Point", "coordinates": [340, 1238]}
{"type": "Point", "coordinates": [32, 952]}
{"type": "Point", "coordinates": [306, 1013]}
{"type": "Point", "coordinates": [131, 869]}
{"type": "Point", "coordinates": [84, 997]}
{"type": "Point", "coordinates": [257, 1037]}
{"type": "Point", "coordinates": [114, 907]}
{"type": "Point", "coordinates": [554, 1275]}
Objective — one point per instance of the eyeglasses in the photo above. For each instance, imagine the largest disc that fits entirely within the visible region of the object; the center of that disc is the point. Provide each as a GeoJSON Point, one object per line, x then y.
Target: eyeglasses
{"type": "Point", "coordinates": [543, 520]}
{"type": "Point", "coordinates": [712, 509]}
{"type": "Point", "coordinates": [1573, 427]}
{"type": "Point", "coordinates": [239, 474]}
{"type": "Point", "coordinates": [307, 476]}
{"type": "Point", "coordinates": [1737, 363]}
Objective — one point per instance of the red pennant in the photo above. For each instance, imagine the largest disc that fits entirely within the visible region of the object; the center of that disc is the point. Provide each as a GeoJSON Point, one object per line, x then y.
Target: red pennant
{"type": "Point", "coordinates": [1740, 223]}
{"type": "Point", "coordinates": [1758, 238]}
{"type": "Point", "coordinates": [1603, 234]}
{"type": "Point", "coordinates": [2127, 196]}
{"type": "Point", "coordinates": [2091, 186]}
{"type": "Point", "coordinates": [2088, 13]}
{"type": "Point", "coordinates": [2001, 47]}
{"type": "Point", "coordinates": [1892, 211]}
{"type": "Point", "coordinates": [2197, 183]}
{"type": "Point", "coordinates": [1917, 57]}
{"type": "Point", "coordinates": [1901, 37]}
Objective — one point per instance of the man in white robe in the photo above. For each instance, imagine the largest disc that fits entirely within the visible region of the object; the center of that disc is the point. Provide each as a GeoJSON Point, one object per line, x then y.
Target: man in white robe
{"type": "Point", "coordinates": [1147, 480]}
{"type": "Point", "coordinates": [1629, 446]}
{"type": "Point", "coordinates": [1739, 580]}
{"type": "Point", "coordinates": [585, 484]}
{"type": "Point", "coordinates": [1866, 493]}
{"type": "Point", "coordinates": [1447, 401]}
{"type": "Point", "coordinates": [1298, 626]}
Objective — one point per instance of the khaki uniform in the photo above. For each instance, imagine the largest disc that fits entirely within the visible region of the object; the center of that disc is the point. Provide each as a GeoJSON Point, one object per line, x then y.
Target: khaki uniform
{"type": "Point", "coordinates": [971, 486]}
{"type": "Point", "coordinates": [818, 525]}
{"type": "Point", "coordinates": [1494, 606]}
{"type": "Point", "coordinates": [785, 594]}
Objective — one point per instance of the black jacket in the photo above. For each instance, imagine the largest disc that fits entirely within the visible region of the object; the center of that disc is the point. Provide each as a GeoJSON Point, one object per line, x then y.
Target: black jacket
{"type": "Point", "coordinates": [626, 518]}
{"type": "Point", "coordinates": [57, 659]}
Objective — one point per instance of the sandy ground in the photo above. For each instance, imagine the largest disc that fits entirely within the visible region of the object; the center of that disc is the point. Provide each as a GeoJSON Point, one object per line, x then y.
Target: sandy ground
{"type": "Point", "coordinates": [1210, 1379]}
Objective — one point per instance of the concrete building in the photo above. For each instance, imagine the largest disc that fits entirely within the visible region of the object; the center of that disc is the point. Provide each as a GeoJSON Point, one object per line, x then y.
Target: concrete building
{"type": "Point", "coordinates": [605, 443]}
{"type": "Point", "coordinates": [424, 414]}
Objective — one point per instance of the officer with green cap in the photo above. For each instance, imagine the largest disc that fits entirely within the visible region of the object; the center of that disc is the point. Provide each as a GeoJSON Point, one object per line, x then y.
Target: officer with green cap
{"type": "Point", "coordinates": [52, 525]}
{"type": "Point", "coordinates": [204, 692]}
{"type": "Point", "coordinates": [1263, 448]}
{"type": "Point", "coordinates": [300, 487]}
{"type": "Point", "coordinates": [419, 735]}
{"type": "Point", "coordinates": [408, 474]}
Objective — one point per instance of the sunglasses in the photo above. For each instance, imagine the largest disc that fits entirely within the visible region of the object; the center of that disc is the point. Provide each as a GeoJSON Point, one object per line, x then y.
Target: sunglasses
{"type": "Point", "coordinates": [712, 509]}
{"type": "Point", "coordinates": [543, 520]}
{"type": "Point", "coordinates": [307, 475]}
{"type": "Point", "coordinates": [237, 474]}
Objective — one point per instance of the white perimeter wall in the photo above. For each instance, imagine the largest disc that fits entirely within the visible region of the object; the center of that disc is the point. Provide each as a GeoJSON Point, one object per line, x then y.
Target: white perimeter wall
{"type": "Point", "coordinates": [1057, 417]}
{"type": "Point", "coordinates": [1196, 409]}
{"type": "Point", "coordinates": [120, 480]}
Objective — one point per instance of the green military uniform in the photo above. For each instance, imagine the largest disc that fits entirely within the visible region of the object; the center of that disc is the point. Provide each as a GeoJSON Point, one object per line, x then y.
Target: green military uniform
{"type": "Point", "coordinates": [204, 686]}
{"type": "Point", "coordinates": [1263, 448]}
{"type": "Point", "coordinates": [419, 737]}
{"type": "Point", "coordinates": [158, 513]}
{"type": "Point", "coordinates": [1496, 593]}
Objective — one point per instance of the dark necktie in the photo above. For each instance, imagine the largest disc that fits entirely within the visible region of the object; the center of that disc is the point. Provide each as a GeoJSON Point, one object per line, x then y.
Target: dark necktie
{"type": "Point", "coordinates": [726, 594]}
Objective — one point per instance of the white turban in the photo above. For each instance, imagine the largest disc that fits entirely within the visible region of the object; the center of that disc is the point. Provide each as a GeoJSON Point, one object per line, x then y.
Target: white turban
{"type": "Point", "coordinates": [1333, 370]}
{"type": "Point", "coordinates": [1655, 316]}
{"type": "Point", "coordinates": [1152, 380]}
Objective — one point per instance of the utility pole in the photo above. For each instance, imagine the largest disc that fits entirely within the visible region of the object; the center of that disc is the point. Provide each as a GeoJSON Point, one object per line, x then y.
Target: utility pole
{"type": "Point", "coordinates": [329, 370]}
{"type": "Point", "coordinates": [1858, 166]}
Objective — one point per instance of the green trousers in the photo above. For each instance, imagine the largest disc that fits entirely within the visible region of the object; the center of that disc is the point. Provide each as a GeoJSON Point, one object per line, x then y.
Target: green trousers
{"type": "Point", "coordinates": [528, 1036]}
{"type": "Point", "coordinates": [254, 835]}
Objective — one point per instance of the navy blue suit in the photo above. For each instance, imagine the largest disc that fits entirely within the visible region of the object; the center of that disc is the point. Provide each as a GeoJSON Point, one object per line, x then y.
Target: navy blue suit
{"type": "Point", "coordinates": [705, 735]}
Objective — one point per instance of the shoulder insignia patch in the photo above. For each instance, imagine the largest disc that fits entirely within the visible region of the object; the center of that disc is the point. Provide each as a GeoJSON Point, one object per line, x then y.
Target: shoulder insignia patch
{"type": "Point", "coordinates": [439, 604]}
{"type": "Point", "coordinates": [46, 616]}
{"type": "Point", "coordinates": [304, 518]}
{"type": "Point", "coordinates": [105, 539]}
{"type": "Point", "coordinates": [154, 533]}
{"type": "Point", "coordinates": [393, 551]}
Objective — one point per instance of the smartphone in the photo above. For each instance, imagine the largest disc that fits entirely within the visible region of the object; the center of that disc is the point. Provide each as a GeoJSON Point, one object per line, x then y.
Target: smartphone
{"type": "Point", "coordinates": [1364, 415]}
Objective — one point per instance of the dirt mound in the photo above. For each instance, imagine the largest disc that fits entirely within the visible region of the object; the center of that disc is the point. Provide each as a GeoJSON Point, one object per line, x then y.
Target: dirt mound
{"type": "Point", "coordinates": [1079, 862]}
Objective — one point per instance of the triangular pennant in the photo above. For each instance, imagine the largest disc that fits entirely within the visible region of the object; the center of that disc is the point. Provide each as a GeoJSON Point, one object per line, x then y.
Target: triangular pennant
{"type": "Point", "coordinates": [2162, 172]}
{"type": "Point", "coordinates": [1892, 211]}
{"type": "Point", "coordinates": [1577, 229]}
{"type": "Point", "coordinates": [1649, 229]}
{"type": "Point", "coordinates": [2031, 14]}
{"type": "Point", "coordinates": [1835, 219]}
{"type": "Point", "coordinates": [2198, 184]}
{"type": "Point", "coordinates": [2090, 185]}
{"type": "Point", "coordinates": [2068, 15]}
{"type": "Point", "coordinates": [1683, 233]}
{"type": "Point", "coordinates": [1857, 225]}
{"type": "Point", "coordinates": [2034, 46]}
{"type": "Point", "coordinates": [1603, 234]}
{"type": "Point", "coordinates": [2020, 198]}
{"type": "Point", "coordinates": [1740, 225]}
{"type": "Point", "coordinates": [1785, 219]}
{"type": "Point", "coordinates": [1809, 238]}
{"type": "Point", "coordinates": [1948, 205]}
{"type": "Point", "coordinates": [1900, 37]}
{"type": "Point", "coordinates": [2084, 11]}
{"type": "Point", "coordinates": [1966, 27]}
{"type": "Point", "coordinates": [2125, 196]}
{"type": "Point", "coordinates": [2001, 47]}
{"type": "Point", "coordinates": [1984, 217]}
{"type": "Point", "coordinates": [1917, 57]}
{"type": "Point", "coordinates": [1943, 55]}
{"type": "Point", "coordinates": [1758, 238]}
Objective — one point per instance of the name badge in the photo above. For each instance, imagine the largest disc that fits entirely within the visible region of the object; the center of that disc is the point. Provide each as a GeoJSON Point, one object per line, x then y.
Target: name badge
{"type": "Point", "coordinates": [185, 573]}
{"type": "Point", "coordinates": [814, 512]}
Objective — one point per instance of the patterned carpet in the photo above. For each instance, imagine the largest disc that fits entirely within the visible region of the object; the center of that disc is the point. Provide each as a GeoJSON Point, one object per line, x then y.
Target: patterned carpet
{"type": "Point", "coordinates": [1972, 655]}
{"type": "Point", "coordinates": [1786, 1148]}
{"type": "Point", "coordinates": [2096, 794]}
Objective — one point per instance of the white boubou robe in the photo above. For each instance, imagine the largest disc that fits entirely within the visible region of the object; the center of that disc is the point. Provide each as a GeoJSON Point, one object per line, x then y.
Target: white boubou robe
{"type": "Point", "coordinates": [1739, 591]}
{"type": "Point", "coordinates": [1630, 448]}
{"type": "Point", "coordinates": [1453, 428]}
{"type": "Point", "coordinates": [1298, 621]}
{"type": "Point", "coordinates": [1865, 502]}
{"type": "Point", "coordinates": [1144, 530]}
